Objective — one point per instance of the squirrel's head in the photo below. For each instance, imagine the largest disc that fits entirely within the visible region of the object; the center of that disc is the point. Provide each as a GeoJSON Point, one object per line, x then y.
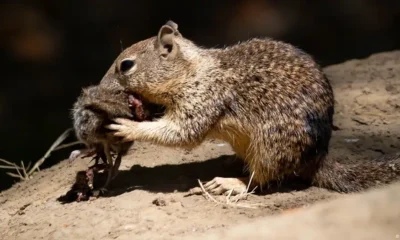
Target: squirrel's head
{"type": "Point", "coordinates": [153, 68]}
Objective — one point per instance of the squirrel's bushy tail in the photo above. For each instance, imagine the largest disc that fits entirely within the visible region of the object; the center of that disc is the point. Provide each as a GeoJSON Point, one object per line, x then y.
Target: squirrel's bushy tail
{"type": "Point", "coordinates": [353, 177]}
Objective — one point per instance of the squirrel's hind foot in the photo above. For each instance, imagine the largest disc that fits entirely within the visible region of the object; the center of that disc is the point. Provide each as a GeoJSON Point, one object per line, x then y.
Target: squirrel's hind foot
{"type": "Point", "coordinates": [223, 186]}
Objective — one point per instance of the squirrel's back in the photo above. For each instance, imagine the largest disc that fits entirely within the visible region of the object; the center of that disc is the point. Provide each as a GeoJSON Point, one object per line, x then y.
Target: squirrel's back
{"type": "Point", "coordinates": [279, 110]}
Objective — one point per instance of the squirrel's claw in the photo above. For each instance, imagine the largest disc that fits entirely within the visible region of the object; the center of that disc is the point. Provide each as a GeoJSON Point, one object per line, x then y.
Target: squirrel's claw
{"type": "Point", "coordinates": [124, 121]}
{"type": "Point", "coordinates": [123, 128]}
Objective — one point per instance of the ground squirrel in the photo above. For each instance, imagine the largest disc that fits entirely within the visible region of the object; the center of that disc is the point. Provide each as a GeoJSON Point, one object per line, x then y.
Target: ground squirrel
{"type": "Point", "coordinates": [268, 99]}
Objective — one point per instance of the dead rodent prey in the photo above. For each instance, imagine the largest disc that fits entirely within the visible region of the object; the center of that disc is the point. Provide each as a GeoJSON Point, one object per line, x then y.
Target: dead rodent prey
{"type": "Point", "coordinates": [87, 183]}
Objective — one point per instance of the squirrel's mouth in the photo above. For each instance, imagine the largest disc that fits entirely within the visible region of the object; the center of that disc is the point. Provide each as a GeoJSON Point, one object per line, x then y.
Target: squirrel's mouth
{"type": "Point", "coordinates": [143, 109]}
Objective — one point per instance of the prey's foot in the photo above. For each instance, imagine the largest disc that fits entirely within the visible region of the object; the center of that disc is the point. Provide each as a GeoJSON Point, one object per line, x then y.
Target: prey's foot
{"type": "Point", "coordinates": [114, 173]}
{"type": "Point", "coordinates": [89, 153]}
{"type": "Point", "coordinates": [103, 190]}
{"type": "Point", "coordinates": [99, 192]}
{"type": "Point", "coordinates": [117, 164]}
{"type": "Point", "coordinates": [84, 153]}
{"type": "Point", "coordinates": [99, 166]}
{"type": "Point", "coordinates": [74, 155]}
{"type": "Point", "coordinates": [110, 173]}
{"type": "Point", "coordinates": [220, 186]}
{"type": "Point", "coordinates": [90, 177]}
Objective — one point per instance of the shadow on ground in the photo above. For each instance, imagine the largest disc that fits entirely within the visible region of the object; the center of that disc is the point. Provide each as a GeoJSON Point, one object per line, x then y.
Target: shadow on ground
{"type": "Point", "coordinates": [179, 178]}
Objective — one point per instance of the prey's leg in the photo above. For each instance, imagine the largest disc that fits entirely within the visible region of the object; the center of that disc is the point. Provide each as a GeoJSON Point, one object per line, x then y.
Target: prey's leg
{"type": "Point", "coordinates": [109, 168]}
{"type": "Point", "coordinates": [117, 163]}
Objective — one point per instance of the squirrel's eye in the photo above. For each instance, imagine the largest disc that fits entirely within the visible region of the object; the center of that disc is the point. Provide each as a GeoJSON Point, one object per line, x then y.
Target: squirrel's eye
{"type": "Point", "coordinates": [126, 65]}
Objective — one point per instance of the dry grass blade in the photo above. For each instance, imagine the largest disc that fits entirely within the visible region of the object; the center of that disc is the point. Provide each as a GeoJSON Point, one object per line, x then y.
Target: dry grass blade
{"type": "Point", "coordinates": [29, 165]}
{"type": "Point", "coordinates": [56, 143]}
{"type": "Point", "coordinates": [233, 200]}
{"type": "Point", "coordinates": [7, 167]}
{"type": "Point", "coordinates": [19, 173]}
{"type": "Point", "coordinates": [206, 193]}
{"type": "Point", "coordinates": [15, 167]}
{"type": "Point", "coordinates": [23, 169]}
{"type": "Point", "coordinates": [27, 171]}
{"type": "Point", "coordinates": [245, 193]}
{"type": "Point", "coordinates": [251, 179]}
{"type": "Point", "coordinates": [14, 175]}
{"type": "Point", "coordinates": [67, 145]}
{"type": "Point", "coordinates": [10, 164]}
{"type": "Point", "coordinates": [229, 195]}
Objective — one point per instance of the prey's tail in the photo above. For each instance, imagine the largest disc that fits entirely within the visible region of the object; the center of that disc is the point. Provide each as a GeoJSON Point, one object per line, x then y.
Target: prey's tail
{"type": "Point", "coordinates": [354, 177]}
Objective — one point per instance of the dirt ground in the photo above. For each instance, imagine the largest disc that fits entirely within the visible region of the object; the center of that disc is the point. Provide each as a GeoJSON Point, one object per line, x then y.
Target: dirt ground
{"type": "Point", "coordinates": [367, 112]}
{"type": "Point", "coordinates": [370, 215]}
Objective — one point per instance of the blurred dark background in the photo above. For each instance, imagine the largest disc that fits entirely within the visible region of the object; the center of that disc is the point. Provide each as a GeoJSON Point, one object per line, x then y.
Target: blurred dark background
{"type": "Point", "coordinates": [49, 50]}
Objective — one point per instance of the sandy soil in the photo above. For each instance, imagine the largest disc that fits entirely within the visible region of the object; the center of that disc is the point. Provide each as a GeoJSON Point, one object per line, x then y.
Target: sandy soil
{"type": "Point", "coordinates": [368, 108]}
{"type": "Point", "coordinates": [370, 215]}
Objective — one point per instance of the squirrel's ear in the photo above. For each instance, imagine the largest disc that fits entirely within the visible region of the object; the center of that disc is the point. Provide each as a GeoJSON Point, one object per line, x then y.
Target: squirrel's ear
{"type": "Point", "coordinates": [167, 35]}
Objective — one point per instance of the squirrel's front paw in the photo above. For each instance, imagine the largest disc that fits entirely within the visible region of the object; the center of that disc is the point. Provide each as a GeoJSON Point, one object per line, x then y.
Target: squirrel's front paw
{"type": "Point", "coordinates": [123, 128]}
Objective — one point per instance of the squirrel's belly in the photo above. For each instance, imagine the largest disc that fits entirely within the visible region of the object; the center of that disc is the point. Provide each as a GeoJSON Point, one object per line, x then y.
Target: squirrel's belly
{"type": "Point", "coordinates": [229, 131]}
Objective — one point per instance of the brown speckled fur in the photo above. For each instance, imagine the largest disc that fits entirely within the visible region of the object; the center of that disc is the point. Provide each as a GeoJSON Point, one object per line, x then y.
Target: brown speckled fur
{"type": "Point", "coordinates": [268, 99]}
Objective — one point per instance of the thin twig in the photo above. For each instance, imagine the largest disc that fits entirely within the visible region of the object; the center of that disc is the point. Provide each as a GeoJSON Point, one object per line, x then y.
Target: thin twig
{"type": "Point", "coordinates": [207, 194]}
{"type": "Point", "coordinates": [56, 143]}
{"type": "Point", "coordinates": [67, 145]}
{"type": "Point", "coordinates": [19, 173]}
{"type": "Point", "coordinates": [23, 169]}
{"type": "Point", "coordinates": [246, 192]}
{"type": "Point", "coordinates": [59, 140]}
{"type": "Point", "coordinates": [29, 165]}
{"type": "Point", "coordinates": [229, 201]}
{"type": "Point", "coordinates": [248, 185]}
{"type": "Point", "coordinates": [7, 167]}
{"type": "Point", "coordinates": [7, 162]}
{"type": "Point", "coordinates": [14, 175]}
{"type": "Point", "coordinates": [28, 171]}
{"type": "Point", "coordinates": [229, 195]}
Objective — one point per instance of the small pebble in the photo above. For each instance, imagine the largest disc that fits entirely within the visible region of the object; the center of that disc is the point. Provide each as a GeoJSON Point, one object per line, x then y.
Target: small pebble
{"type": "Point", "coordinates": [159, 202]}
{"type": "Point", "coordinates": [348, 140]}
